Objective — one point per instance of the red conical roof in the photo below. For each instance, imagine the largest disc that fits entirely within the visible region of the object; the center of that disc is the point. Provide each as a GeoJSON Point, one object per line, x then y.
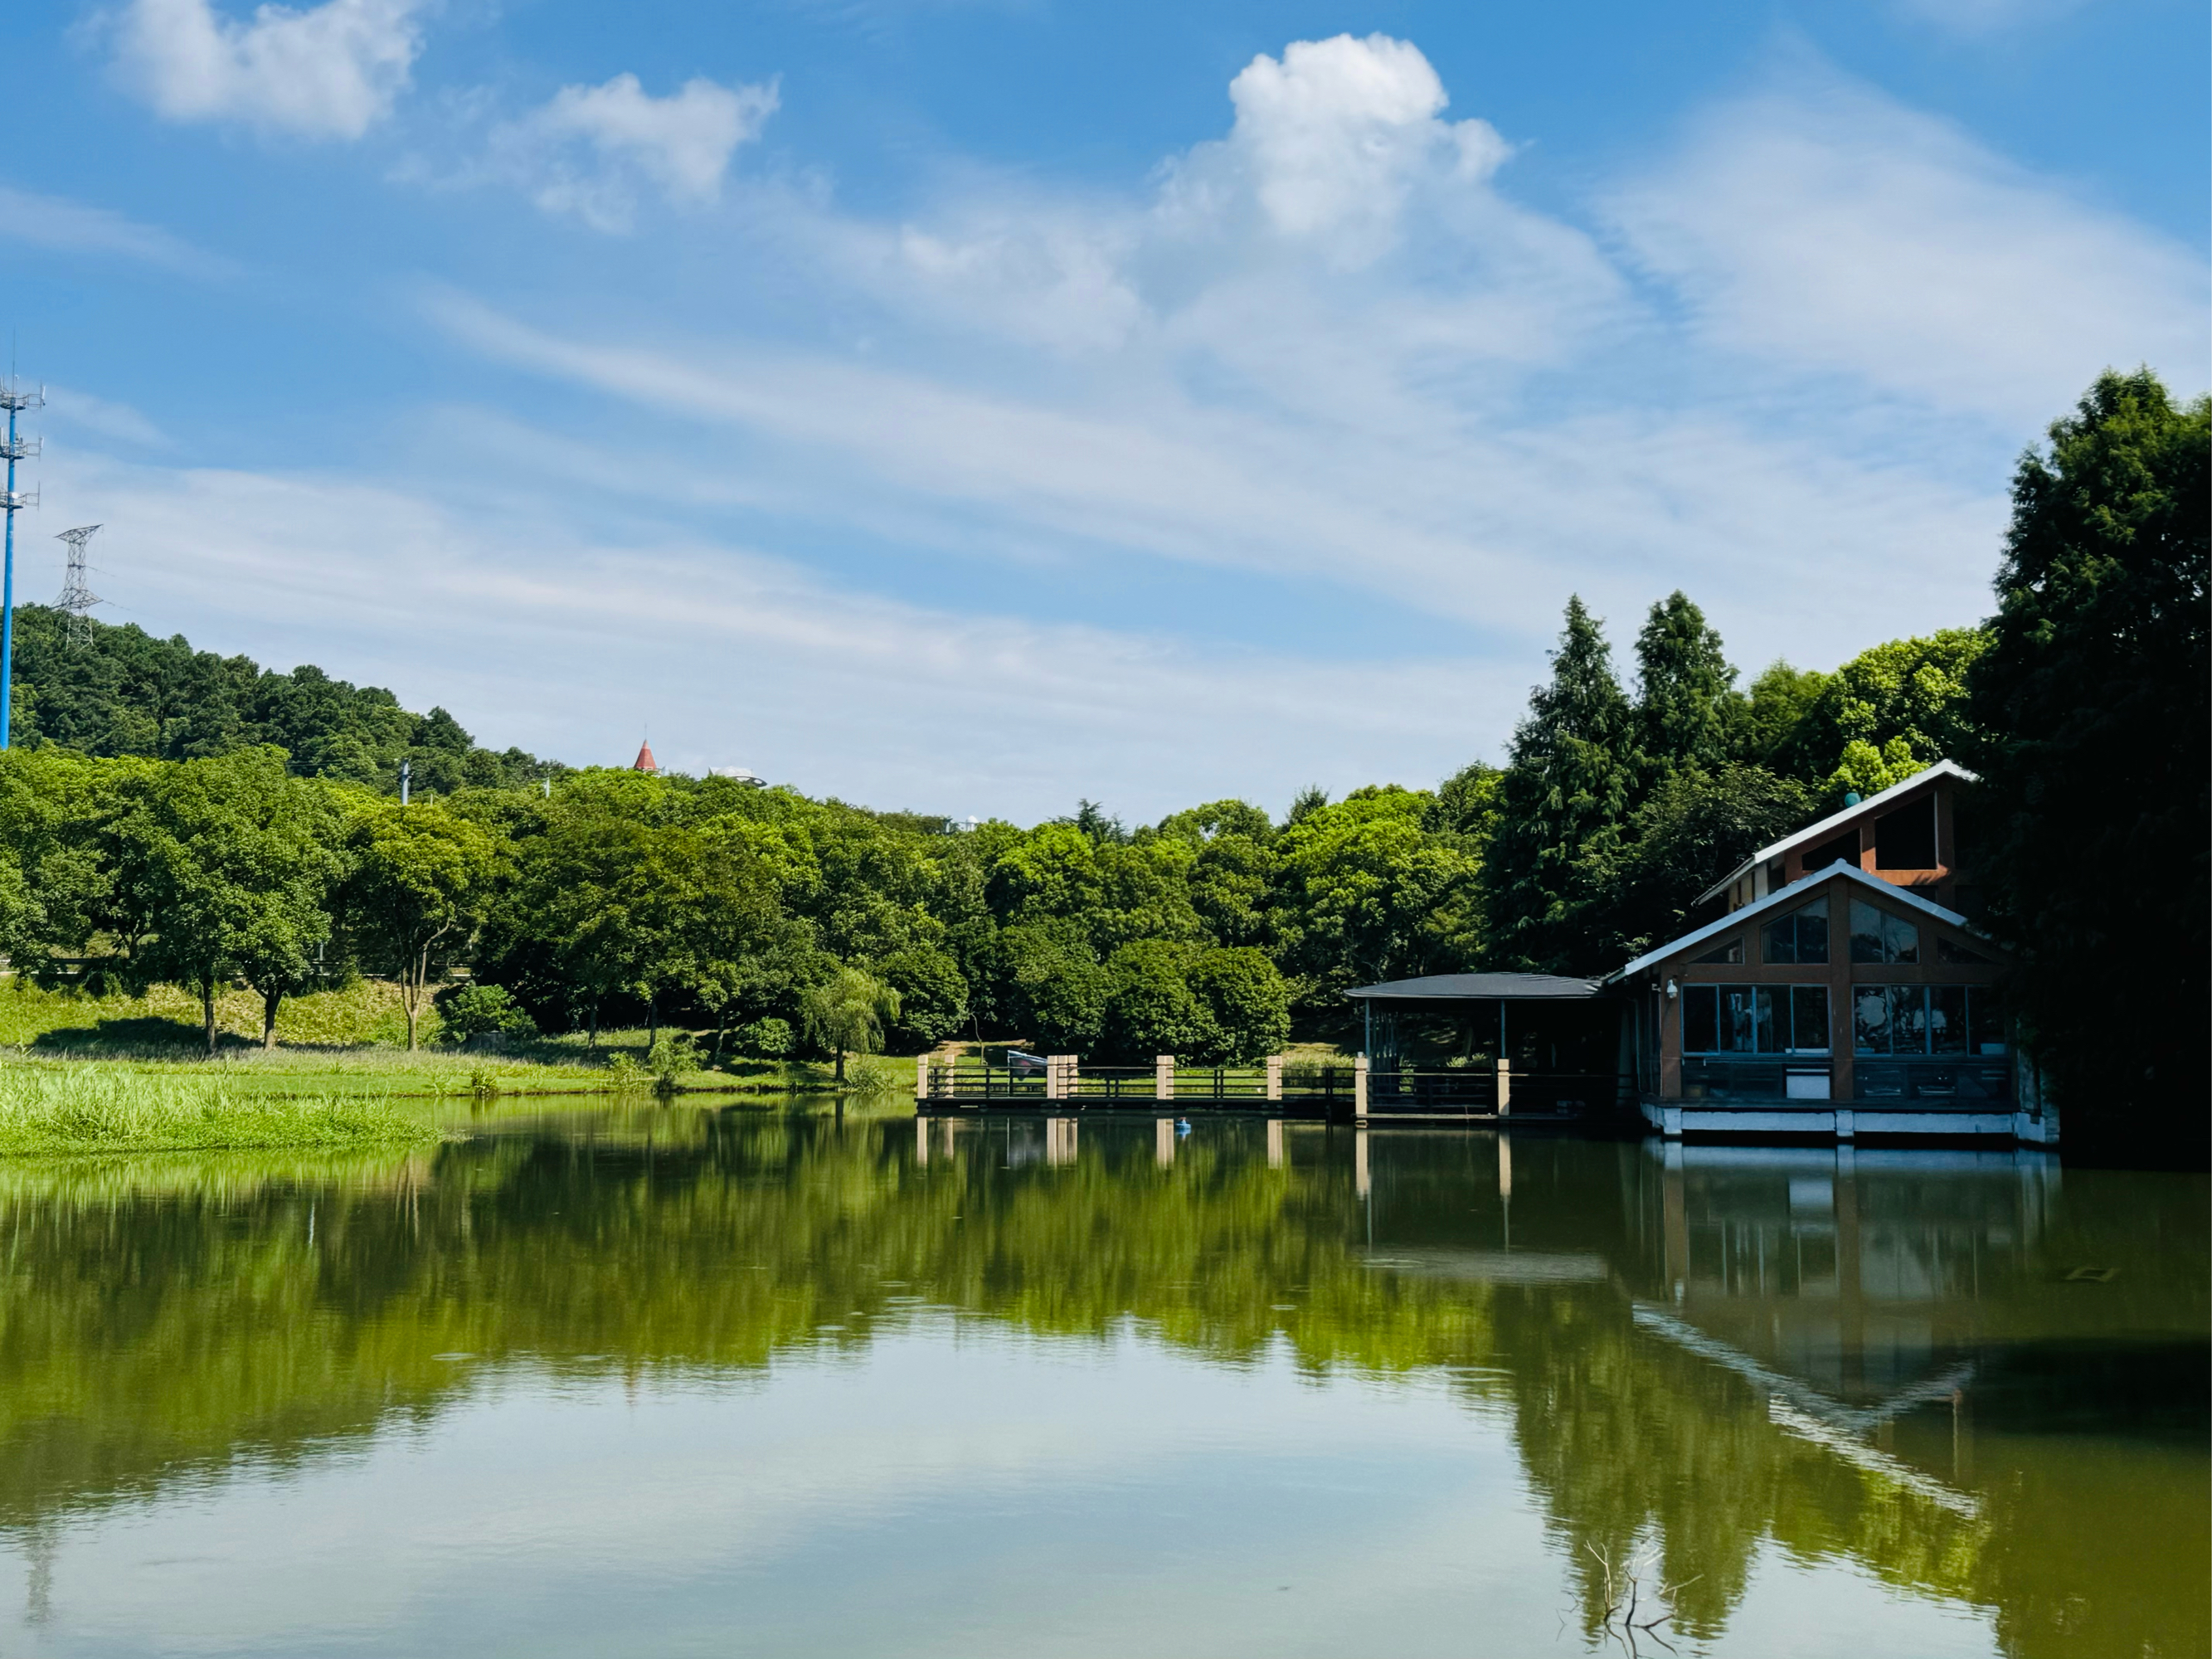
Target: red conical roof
{"type": "Point", "coordinates": [645, 762]}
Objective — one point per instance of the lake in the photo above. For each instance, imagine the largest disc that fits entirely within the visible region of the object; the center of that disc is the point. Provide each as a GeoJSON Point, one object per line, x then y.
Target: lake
{"type": "Point", "coordinates": [753, 1379]}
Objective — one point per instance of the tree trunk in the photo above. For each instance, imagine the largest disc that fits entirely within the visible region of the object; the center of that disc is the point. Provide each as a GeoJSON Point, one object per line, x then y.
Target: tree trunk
{"type": "Point", "coordinates": [721, 1023]}
{"type": "Point", "coordinates": [839, 1075]}
{"type": "Point", "coordinates": [269, 1001]}
{"type": "Point", "coordinates": [207, 1009]}
{"type": "Point", "coordinates": [592, 1037]}
{"type": "Point", "coordinates": [411, 991]}
{"type": "Point", "coordinates": [652, 1018]}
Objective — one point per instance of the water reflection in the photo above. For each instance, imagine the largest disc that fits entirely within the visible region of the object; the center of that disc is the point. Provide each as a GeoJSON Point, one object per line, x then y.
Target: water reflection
{"type": "Point", "coordinates": [1973, 1377]}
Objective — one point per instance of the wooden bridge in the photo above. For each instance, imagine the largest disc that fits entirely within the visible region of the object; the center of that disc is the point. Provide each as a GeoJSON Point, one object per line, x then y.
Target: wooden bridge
{"type": "Point", "coordinates": [1349, 1090]}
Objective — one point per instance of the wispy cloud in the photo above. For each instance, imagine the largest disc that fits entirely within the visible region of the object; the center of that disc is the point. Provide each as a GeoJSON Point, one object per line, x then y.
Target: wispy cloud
{"type": "Point", "coordinates": [330, 72]}
{"type": "Point", "coordinates": [1824, 227]}
{"type": "Point", "coordinates": [591, 150]}
{"type": "Point", "coordinates": [52, 222]}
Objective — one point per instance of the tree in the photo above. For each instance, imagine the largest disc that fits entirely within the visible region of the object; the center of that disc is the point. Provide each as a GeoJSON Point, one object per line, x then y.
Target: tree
{"type": "Point", "coordinates": [848, 1014]}
{"type": "Point", "coordinates": [1149, 1007]}
{"type": "Point", "coordinates": [1368, 892]}
{"type": "Point", "coordinates": [1780, 701]}
{"type": "Point", "coordinates": [1889, 712]}
{"type": "Point", "coordinates": [1695, 828]}
{"type": "Point", "coordinates": [932, 995]}
{"type": "Point", "coordinates": [1686, 704]}
{"type": "Point", "coordinates": [2089, 709]}
{"type": "Point", "coordinates": [230, 864]}
{"type": "Point", "coordinates": [422, 877]}
{"type": "Point", "coordinates": [1565, 790]}
{"type": "Point", "coordinates": [1248, 998]}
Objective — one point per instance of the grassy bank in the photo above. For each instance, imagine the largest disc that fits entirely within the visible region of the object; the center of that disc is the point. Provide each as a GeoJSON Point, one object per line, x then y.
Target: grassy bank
{"type": "Point", "coordinates": [101, 1108]}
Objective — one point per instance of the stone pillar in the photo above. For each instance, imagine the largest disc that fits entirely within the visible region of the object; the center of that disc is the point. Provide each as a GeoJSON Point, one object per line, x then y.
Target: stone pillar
{"type": "Point", "coordinates": [1359, 1088]}
{"type": "Point", "coordinates": [1275, 1077]}
{"type": "Point", "coordinates": [921, 1076]}
{"type": "Point", "coordinates": [1163, 1077]}
{"type": "Point", "coordinates": [1505, 1087]}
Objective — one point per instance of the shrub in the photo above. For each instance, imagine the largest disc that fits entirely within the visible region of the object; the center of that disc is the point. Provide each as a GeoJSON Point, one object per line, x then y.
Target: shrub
{"type": "Point", "coordinates": [763, 1039]}
{"type": "Point", "coordinates": [673, 1057]}
{"type": "Point", "coordinates": [471, 1010]}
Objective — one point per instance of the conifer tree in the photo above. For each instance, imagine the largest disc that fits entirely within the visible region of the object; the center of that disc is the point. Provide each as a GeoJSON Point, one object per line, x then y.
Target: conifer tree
{"type": "Point", "coordinates": [2090, 728]}
{"type": "Point", "coordinates": [1686, 691]}
{"type": "Point", "coordinates": [1563, 795]}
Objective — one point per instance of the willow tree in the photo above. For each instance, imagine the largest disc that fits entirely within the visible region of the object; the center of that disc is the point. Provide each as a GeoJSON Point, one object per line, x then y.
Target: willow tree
{"type": "Point", "coordinates": [848, 1014]}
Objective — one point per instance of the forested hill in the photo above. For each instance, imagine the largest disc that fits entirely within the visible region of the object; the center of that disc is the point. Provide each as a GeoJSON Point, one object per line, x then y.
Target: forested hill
{"type": "Point", "coordinates": [124, 692]}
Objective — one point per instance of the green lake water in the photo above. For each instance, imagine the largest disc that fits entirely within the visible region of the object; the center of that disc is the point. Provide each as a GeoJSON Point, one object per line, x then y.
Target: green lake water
{"type": "Point", "coordinates": [759, 1380]}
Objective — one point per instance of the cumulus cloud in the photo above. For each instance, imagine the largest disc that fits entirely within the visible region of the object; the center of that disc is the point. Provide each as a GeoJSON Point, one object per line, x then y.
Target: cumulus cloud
{"type": "Point", "coordinates": [330, 72]}
{"type": "Point", "coordinates": [1336, 133]}
{"type": "Point", "coordinates": [1825, 228]}
{"type": "Point", "coordinates": [589, 149]}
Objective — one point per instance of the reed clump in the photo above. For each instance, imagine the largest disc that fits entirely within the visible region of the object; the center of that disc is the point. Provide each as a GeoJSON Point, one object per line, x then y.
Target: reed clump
{"type": "Point", "coordinates": [102, 1108]}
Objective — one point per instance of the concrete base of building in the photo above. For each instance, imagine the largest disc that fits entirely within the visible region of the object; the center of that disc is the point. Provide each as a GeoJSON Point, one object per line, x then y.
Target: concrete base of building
{"type": "Point", "coordinates": [1842, 1120]}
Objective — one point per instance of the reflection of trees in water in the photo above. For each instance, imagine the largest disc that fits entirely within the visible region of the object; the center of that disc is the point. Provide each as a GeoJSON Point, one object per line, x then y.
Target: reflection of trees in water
{"type": "Point", "coordinates": [195, 1315]}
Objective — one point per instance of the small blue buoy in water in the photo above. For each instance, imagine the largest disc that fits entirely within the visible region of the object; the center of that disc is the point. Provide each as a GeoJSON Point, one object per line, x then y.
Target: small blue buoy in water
{"type": "Point", "coordinates": [1182, 1125]}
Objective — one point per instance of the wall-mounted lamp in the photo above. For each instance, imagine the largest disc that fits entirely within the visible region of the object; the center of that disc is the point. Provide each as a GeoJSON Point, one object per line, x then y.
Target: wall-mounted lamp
{"type": "Point", "coordinates": [1673, 990]}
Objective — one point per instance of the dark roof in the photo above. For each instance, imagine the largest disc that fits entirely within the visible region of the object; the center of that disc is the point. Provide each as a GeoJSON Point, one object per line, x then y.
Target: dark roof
{"type": "Point", "coordinates": [1482, 988]}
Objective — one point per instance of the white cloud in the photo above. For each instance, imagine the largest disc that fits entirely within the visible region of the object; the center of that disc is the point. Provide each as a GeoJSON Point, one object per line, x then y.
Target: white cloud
{"type": "Point", "coordinates": [330, 72]}
{"type": "Point", "coordinates": [588, 150]}
{"type": "Point", "coordinates": [51, 221]}
{"type": "Point", "coordinates": [1335, 135]}
{"type": "Point", "coordinates": [1827, 229]}
{"type": "Point", "coordinates": [1975, 18]}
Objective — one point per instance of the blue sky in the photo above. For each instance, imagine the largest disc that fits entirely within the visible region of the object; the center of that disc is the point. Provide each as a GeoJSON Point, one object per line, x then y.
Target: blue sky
{"type": "Point", "coordinates": [972, 406]}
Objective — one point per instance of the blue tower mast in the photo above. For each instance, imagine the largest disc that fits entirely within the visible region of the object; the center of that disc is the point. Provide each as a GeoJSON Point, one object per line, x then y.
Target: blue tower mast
{"type": "Point", "coordinates": [15, 400]}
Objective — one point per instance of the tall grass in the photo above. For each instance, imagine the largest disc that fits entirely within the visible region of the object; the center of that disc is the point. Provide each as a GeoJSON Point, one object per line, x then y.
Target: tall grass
{"type": "Point", "coordinates": [101, 1108]}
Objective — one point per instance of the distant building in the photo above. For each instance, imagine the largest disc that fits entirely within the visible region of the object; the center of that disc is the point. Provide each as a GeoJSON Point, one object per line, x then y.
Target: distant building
{"type": "Point", "coordinates": [740, 774]}
{"type": "Point", "coordinates": [645, 762]}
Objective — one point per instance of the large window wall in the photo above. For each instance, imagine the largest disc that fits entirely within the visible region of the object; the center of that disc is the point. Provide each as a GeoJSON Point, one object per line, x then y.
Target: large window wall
{"type": "Point", "coordinates": [1754, 1019]}
{"type": "Point", "coordinates": [1927, 1019]}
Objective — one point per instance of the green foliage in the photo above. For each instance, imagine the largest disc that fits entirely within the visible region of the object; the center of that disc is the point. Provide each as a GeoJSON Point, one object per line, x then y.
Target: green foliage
{"type": "Point", "coordinates": [1248, 1001]}
{"type": "Point", "coordinates": [421, 880]}
{"type": "Point", "coordinates": [672, 1057]}
{"type": "Point", "coordinates": [933, 996]}
{"type": "Point", "coordinates": [476, 1009]}
{"type": "Point", "coordinates": [849, 1014]}
{"type": "Point", "coordinates": [96, 1108]}
{"type": "Point", "coordinates": [127, 693]}
{"type": "Point", "coordinates": [2090, 715]}
{"type": "Point", "coordinates": [765, 1039]}
{"type": "Point", "coordinates": [1687, 705]}
{"type": "Point", "coordinates": [1780, 701]}
{"type": "Point", "coordinates": [1884, 714]}
{"type": "Point", "coordinates": [1692, 830]}
{"type": "Point", "coordinates": [1560, 804]}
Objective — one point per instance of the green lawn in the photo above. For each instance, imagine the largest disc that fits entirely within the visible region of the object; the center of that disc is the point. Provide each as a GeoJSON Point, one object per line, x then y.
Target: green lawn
{"type": "Point", "coordinates": [46, 1109]}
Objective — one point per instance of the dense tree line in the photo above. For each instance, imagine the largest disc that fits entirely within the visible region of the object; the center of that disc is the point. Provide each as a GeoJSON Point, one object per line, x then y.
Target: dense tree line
{"type": "Point", "coordinates": [143, 837]}
{"type": "Point", "coordinates": [121, 691]}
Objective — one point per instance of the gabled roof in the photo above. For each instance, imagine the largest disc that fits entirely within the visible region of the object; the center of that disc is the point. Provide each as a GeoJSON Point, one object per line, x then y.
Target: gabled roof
{"type": "Point", "coordinates": [1511, 987]}
{"type": "Point", "coordinates": [1834, 823]}
{"type": "Point", "coordinates": [1777, 900]}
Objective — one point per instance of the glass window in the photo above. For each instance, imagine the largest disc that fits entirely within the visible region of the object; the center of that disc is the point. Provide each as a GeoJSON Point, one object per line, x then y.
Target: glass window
{"type": "Point", "coordinates": [1985, 1023]}
{"type": "Point", "coordinates": [1905, 839]}
{"type": "Point", "coordinates": [1700, 1033]}
{"type": "Point", "coordinates": [1878, 936]}
{"type": "Point", "coordinates": [1870, 1019]}
{"type": "Point", "coordinates": [1732, 952]}
{"type": "Point", "coordinates": [1800, 936]}
{"type": "Point", "coordinates": [1947, 1019]}
{"type": "Point", "coordinates": [1844, 848]}
{"type": "Point", "coordinates": [1809, 1019]}
{"type": "Point", "coordinates": [1738, 1035]}
{"type": "Point", "coordinates": [1908, 1019]}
